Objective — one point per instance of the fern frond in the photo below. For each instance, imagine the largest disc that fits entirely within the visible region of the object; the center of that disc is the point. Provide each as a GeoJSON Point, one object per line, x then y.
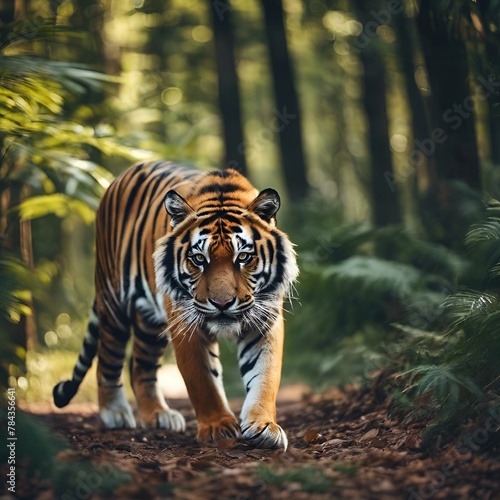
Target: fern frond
{"type": "Point", "coordinates": [373, 275]}
{"type": "Point", "coordinates": [447, 386]}
{"type": "Point", "coordinates": [488, 230]}
{"type": "Point", "coordinates": [468, 307]}
{"type": "Point", "coordinates": [425, 255]}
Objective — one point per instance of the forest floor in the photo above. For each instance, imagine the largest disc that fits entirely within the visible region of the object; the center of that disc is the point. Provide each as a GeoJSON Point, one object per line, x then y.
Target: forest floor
{"type": "Point", "coordinates": [343, 444]}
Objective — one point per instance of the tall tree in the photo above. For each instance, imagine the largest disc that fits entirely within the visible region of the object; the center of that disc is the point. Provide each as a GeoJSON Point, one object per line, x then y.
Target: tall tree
{"type": "Point", "coordinates": [406, 46]}
{"type": "Point", "coordinates": [88, 16]}
{"type": "Point", "coordinates": [229, 92]}
{"type": "Point", "coordinates": [484, 17]}
{"type": "Point", "coordinates": [451, 98]}
{"type": "Point", "coordinates": [7, 9]}
{"type": "Point", "coordinates": [384, 200]}
{"type": "Point", "coordinates": [452, 140]}
{"type": "Point", "coordinates": [287, 112]}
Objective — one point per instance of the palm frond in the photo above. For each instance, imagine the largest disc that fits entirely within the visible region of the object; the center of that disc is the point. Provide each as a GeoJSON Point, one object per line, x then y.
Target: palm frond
{"type": "Point", "coordinates": [72, 77]}
{"type": "Point", "coordinates": [14, 279]}
{"type": "Point", "coordinates": [14, 35]}
{"type": "Point", "coordinates": [57, 203]}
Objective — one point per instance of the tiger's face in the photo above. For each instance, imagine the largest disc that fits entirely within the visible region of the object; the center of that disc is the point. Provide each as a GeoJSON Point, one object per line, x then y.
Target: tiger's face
{"type": "Point", "coordinates": [226, 270]}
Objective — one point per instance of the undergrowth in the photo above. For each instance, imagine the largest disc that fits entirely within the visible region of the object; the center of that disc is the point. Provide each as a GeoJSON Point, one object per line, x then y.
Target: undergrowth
{"type": "Point", "coordinates": [386, 301]}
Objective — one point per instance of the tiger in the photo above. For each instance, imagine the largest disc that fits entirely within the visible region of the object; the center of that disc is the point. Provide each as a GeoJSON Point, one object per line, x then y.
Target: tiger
{"type": "Point", "coordinates": [186, 257]}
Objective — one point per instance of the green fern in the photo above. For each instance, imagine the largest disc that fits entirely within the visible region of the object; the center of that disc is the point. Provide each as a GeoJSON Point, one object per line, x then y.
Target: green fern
{"type": "Point", "coordinates": [488, 230]}
{"type": "Point", "coordinates": [454, 387]}
{"type": "Point", "coordinates": [444, 383]}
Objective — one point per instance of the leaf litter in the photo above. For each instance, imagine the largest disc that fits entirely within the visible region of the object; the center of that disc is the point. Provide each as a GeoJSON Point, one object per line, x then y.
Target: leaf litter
{"type": "Point", "coordinates": [342, 444]}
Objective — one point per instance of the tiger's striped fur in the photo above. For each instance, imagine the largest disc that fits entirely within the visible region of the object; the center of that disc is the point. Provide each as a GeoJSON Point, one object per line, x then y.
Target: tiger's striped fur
{"type": "Point", "coordinates": [196, 255]}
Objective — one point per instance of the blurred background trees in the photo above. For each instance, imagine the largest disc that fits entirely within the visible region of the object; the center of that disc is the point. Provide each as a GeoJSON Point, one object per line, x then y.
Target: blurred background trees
{"type": "Point", "coordinates": [379, 122]}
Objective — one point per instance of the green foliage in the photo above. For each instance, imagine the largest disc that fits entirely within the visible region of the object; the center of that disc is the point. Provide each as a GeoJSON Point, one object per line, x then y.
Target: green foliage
{"type": "Point", "coordinates": [15, 279]}
{"type": "Point", "coordinates": [349, 470]}
{"type": "Point", "coordinates": [385, 300]}
{"type": "Point", "coordinates": [356, 281]}
{"type": "Point", "coordinates": [72, 480]}
{"type": "Point", "coordinates": [310, 478]}
{"type": "Point", "coordinates": [451, 391]}
{"type": "Point", "coordinates": [39, 455]}
{"type": "Point", "coordinates": [58, 204]}
{"type": "Point", "coordinates": [488, 230]}
{"type": "Point", "coordinates": [36, 446]}
{"type": "Point", "coordinates": [40, 146]}
{"type": "Point", "coordinates": [460, 378]}
{"type": "Point", "coordinates": [46, 152]}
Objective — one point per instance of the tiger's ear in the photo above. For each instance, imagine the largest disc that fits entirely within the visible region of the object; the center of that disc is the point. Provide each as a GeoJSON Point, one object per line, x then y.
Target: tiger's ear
{"type": "Point", "coordinates": [266, 205]}
{"type": "Point", "coordinates": [177, 207]}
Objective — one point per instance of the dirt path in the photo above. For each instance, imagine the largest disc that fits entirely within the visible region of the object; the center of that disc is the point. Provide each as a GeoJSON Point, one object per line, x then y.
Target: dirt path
{"type": "Point", "coordinates": [342, 445]}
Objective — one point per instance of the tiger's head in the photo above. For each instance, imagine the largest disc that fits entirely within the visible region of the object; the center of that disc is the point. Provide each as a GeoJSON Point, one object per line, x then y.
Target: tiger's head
{"type": "Point", "coordinates": [224, 264]}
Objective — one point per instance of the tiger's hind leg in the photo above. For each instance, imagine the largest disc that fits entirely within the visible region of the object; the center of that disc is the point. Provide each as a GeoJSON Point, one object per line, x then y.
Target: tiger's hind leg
{"type": "Point", "coordinates": [114, 409]}
{"type": "Point", "coordinates": [148, 350]}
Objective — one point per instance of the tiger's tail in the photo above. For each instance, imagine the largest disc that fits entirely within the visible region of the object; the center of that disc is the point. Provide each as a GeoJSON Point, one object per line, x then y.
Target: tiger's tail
{"type": "Point", "coordinates": [64, 391]}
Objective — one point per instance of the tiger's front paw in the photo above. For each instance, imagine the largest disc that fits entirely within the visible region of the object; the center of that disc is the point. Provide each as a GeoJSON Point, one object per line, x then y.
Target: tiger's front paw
{"type": "Point", "coordinates": [226, 427]}
{"type": "Point", "coordinates": [264, 435]}
{"type": "Point", "coordinates": [163, 418]}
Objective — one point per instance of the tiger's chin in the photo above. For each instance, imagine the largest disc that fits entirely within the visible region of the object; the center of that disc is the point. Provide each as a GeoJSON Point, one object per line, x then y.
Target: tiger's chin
{"type": "Point", "coordinates": [223, 327]}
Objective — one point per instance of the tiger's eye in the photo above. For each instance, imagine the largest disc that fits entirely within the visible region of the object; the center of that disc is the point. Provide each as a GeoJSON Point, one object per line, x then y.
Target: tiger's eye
{"type": "Point", "coordinates": [198, 259]}
{"type": "Point", "coordinates": [244, 257]}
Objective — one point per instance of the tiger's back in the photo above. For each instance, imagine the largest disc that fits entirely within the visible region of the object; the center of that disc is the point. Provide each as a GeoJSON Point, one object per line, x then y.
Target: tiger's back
{"type": "Point", "coordinates": [130, 219]}
{"type": "Point", "coordinates": [197, 253]}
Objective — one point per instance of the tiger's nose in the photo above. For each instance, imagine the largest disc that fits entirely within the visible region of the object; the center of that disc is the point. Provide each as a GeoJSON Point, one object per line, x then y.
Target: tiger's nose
{"type": "Point", "coordinates": [222, 305]}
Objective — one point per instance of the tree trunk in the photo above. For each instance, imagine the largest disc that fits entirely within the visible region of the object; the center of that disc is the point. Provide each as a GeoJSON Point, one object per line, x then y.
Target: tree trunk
{"type": "Point", "coordinates": [452, 139]}
{"type": "Point", "coordinates": [26, 248]}
{"type": "Point", "coordinates": [17, 241]}
{"type": "Point", "coordinates": [426, 171]}
{"type": "Point", "coordinates": [493, 102]}
{"type": "Point", "coordinates": [386, 208]}
{"type": "Point", "coordinates": [7, 10]}
{"type": "Point", "coordinates": [89, 17]}
{"type": "Point", "coordinates": [452, 115]}
{"type": "Point", "coordinates": [229, 92]}
{"type": "Point", "coordinates": [287, 120]}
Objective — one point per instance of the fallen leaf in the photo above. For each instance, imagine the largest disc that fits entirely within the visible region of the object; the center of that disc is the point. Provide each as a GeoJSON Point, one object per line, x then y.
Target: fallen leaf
{"type": "Point", "coordinates": [203, 464]}
{"type": "Point", "coordinates": [336, 442]}
{"type": "Point", "coordinates": [369, 435]}
{"type": "Point", "coordinates": [235, 453]}
{"type": "Point", "coordinates": [313, 437]}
